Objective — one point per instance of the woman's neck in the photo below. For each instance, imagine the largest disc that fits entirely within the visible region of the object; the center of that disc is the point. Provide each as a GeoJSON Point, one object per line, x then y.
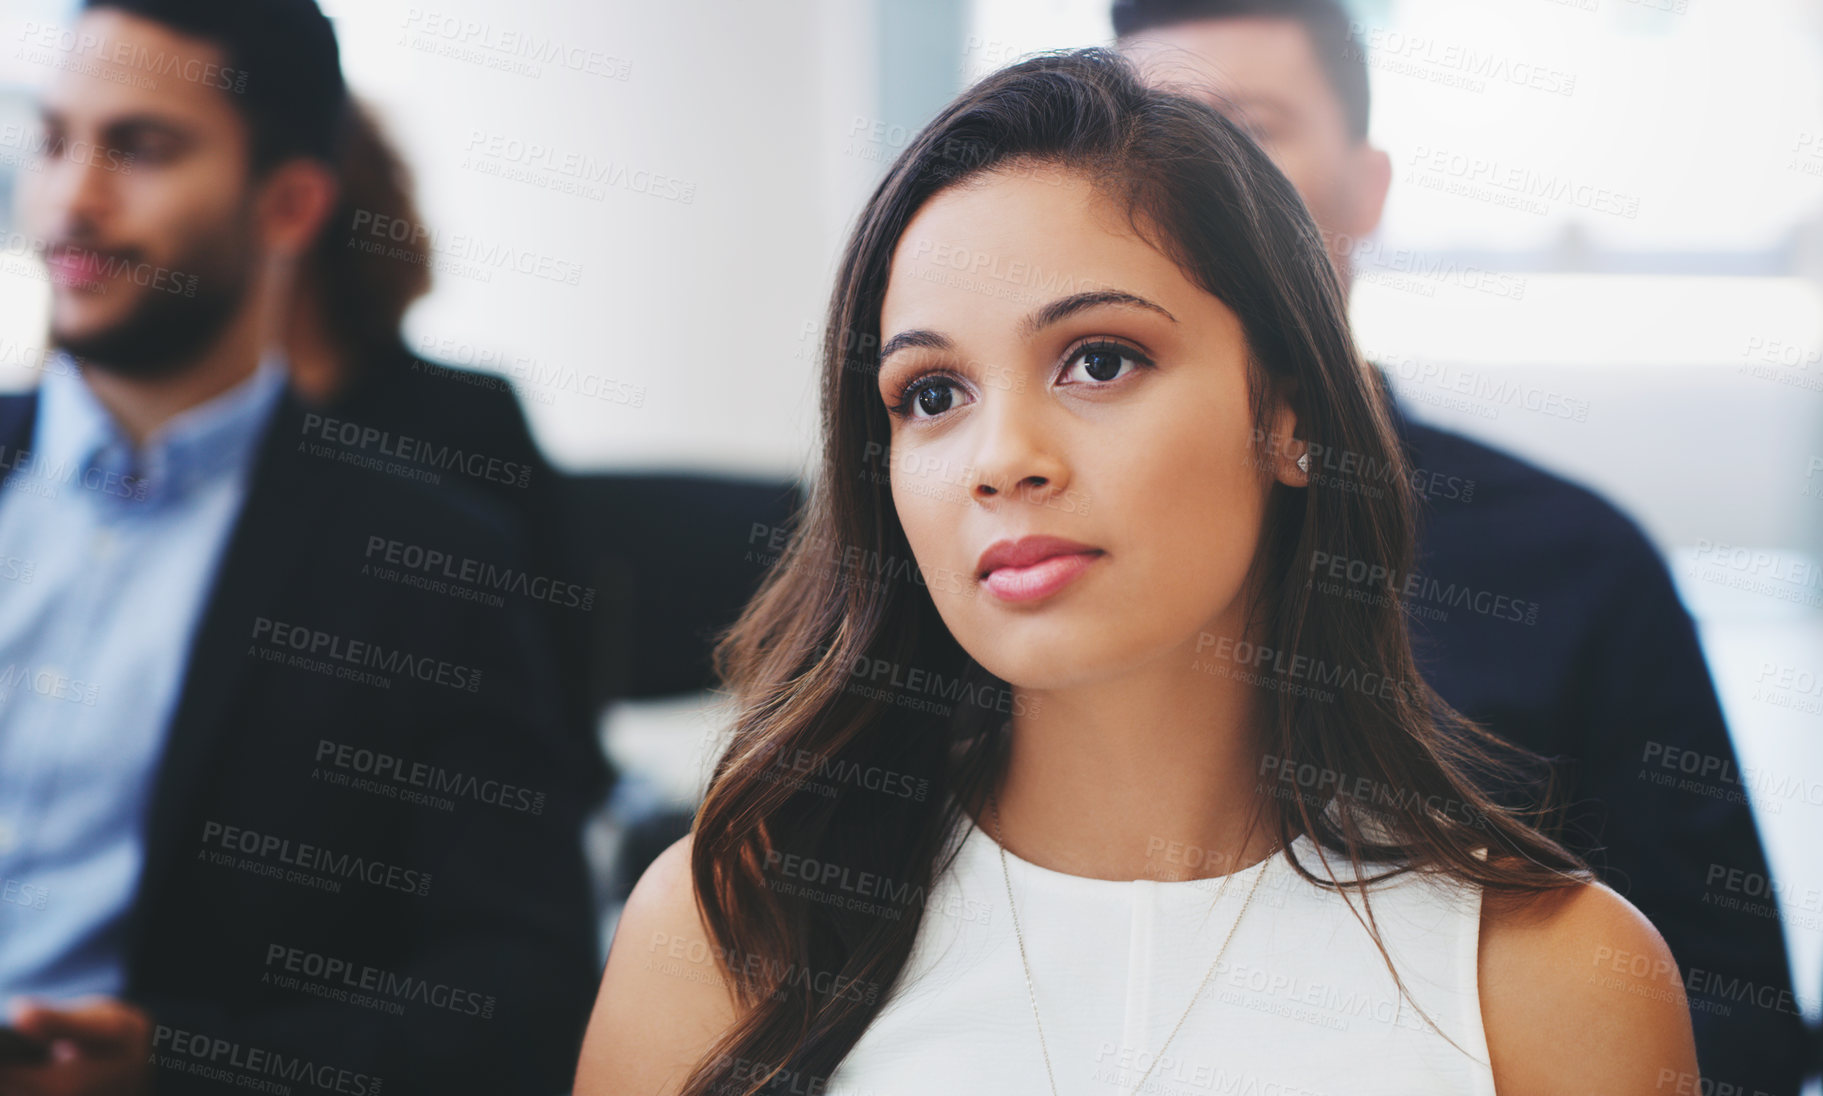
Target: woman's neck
{"type": "Point", "coordinates": [1153, 775]}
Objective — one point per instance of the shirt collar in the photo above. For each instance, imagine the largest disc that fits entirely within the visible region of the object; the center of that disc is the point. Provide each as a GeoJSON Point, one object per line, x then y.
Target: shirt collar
{"type": "Point", "coordinates": [210, 440]}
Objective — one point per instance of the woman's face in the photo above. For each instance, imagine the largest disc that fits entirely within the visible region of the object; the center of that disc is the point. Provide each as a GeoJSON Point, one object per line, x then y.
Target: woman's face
{"type": "Point", "coordinates": [1048, 373]}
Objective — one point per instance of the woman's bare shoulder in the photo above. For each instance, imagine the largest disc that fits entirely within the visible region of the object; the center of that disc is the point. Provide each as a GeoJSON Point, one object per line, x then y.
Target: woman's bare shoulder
{"type": "Point", "coordinates": [664, 998]}
{"type": "Point", "coordinates": [1580, 993]}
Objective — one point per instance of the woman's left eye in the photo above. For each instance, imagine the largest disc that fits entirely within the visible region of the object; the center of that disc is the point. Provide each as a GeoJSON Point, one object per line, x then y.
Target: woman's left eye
{"type": "Point", "coordinates": [1102, 362]}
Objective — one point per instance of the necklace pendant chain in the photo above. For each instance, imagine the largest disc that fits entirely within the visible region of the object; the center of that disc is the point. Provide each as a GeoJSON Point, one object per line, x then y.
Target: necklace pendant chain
{"type": "Point", "coordinates": [1025, 962]}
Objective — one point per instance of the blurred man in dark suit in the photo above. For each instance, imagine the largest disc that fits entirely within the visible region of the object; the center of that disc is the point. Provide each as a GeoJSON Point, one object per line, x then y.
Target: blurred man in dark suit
{"type": "Point", "coordinates": [1541, 611]}
{"type": "Point", "coordinates": [285, 792]}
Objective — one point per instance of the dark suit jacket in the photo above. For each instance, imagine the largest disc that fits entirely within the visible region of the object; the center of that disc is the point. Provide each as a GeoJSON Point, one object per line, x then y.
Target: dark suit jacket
{"type": "Point", "coordinates": [662, 593]}
{"type": "Point", "coordinates": [1606, 677]}
{"type": "Point", "coordinates": [306, 914]}
{"type": "Point", "coordinates": [479, 414]}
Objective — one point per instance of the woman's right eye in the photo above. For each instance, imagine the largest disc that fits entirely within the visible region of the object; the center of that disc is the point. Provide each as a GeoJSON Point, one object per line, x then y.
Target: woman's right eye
{"type": "Point", "coordinates": [926, 397]}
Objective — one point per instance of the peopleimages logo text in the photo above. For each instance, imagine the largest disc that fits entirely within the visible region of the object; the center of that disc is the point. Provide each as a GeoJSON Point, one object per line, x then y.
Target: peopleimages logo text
{"type": "Point", "coordinates": [302, 854]}
{"type": "Point", "coordinates": [339, 974]}
{"type": "Point", "coordinates": [232, 1062]}
{"type": "Point", "coordinates": [318, 643]}
{"type": "Point", "coordinates": [421, 774]}
{"type": "Point", "coordinates": [402, 447]}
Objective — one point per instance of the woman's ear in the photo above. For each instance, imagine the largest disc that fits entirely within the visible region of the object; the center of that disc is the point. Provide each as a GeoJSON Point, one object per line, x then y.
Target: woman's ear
{"type": "Point", "coordinates": [1287, 448]}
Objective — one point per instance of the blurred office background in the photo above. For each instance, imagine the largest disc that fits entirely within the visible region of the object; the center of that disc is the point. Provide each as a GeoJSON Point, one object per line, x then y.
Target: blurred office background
{"type": "Point", "coordinates": [652, 195]}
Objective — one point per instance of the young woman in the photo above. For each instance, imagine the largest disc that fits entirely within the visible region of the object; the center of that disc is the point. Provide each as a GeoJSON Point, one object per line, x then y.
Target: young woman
{"type": "Point", "coordinates": [1079, 747]}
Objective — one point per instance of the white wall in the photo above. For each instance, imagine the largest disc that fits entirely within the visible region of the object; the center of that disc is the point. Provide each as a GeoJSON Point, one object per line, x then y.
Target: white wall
{"type": "Point", "coordinates": [702, 302]}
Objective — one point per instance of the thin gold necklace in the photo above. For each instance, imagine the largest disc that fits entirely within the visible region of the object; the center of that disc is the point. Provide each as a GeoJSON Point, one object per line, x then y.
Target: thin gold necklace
{"type": "Point", "coordinates": [1032, 994]}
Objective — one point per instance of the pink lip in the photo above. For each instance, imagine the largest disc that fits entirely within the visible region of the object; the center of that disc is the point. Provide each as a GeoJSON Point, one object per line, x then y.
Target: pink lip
{"type": "Point", "coordinates": [75, 266]}
{"type": "Point", "coordinates": [1033, 567]}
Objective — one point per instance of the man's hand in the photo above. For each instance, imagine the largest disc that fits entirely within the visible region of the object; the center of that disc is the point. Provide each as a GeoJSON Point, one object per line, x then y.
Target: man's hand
{"type": "Point", "coordinates": [99, 1047]}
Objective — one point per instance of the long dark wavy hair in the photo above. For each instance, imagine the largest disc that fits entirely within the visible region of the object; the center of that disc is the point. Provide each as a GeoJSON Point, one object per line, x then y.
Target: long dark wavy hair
{"type": "Point", "coordinates": [824, 771]}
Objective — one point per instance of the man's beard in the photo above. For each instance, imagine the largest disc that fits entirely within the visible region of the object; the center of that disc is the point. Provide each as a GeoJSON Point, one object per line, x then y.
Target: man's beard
{"type": "Point", "coordinates": [164, 332]}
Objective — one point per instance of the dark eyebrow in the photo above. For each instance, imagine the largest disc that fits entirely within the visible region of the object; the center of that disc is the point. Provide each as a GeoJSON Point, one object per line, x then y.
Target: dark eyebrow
{"type": "Point", "coordinates": [116, 128]}
{"type": "Point", "coordinates": [1058, 310]}
{"type": "Point", "coordinates": [905, 340]}
{"type": "Point", "coordinates": [126, 123]}
{"type": "Point", "coordinates": [1064, 307]}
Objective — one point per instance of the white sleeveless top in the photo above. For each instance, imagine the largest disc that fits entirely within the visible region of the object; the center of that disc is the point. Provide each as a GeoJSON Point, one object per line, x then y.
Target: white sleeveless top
{"type": "Point", "coordinates": [1302, 1004]}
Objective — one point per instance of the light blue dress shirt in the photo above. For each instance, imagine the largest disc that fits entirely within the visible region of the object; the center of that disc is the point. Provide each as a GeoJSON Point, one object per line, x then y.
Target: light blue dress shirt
{"type": "Point", "coordinates": [107, 557]}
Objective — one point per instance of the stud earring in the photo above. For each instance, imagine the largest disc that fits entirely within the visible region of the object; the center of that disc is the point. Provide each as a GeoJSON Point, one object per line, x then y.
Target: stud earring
{"type": "Point", "coordinates": [1304, 462]}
